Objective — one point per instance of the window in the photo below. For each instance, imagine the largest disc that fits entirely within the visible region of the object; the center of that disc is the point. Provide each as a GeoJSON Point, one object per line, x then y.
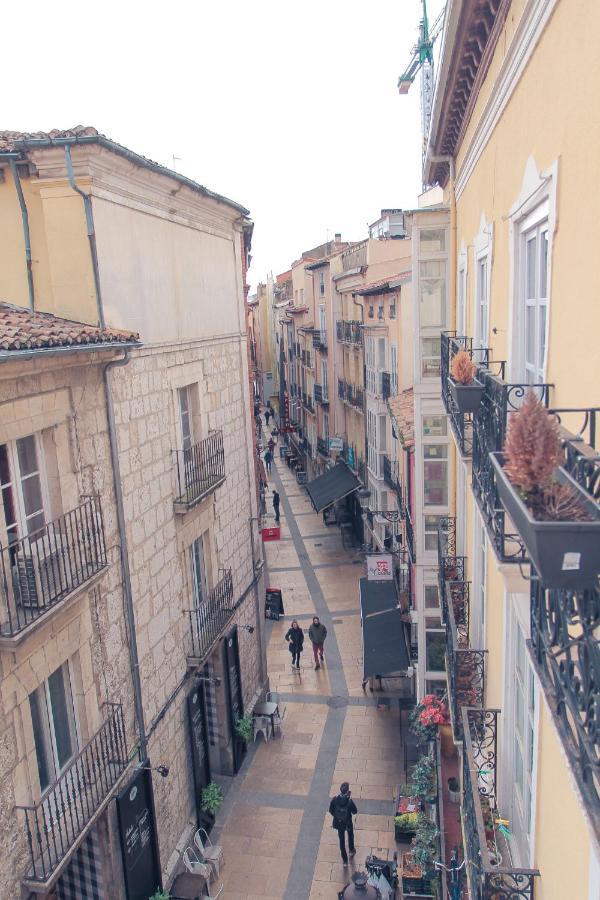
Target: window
{"type": "Point", "coordinates": [54, 726]}
{"type": "Point", "coordinates": [185, 417]}
{"type": "Point", "coordinates": [322, 321]}
{"type": "Point", "coordinates": [324, 380]}
{"type": "Point", "coordinates": [381, 353]}
{"type": "Point", "coordinates": [522, 693]}
{"type": "Point", "coordinates": [435, 647]}
{"type": "Point", "coordinates": [431, 532]}
{"type": "Point", "coordinates": [434, 426]}
{"type": "Point", "coordinates": [432, 240]}
{"type": "Point", "coordinates": [479, 580]}
{"type": "Point", "coordinates": [433, 293]}
{"type": "Point", "coordinates": [381, 312]}
{"type": "Point", "coordinates": [432, 598]}
{"type": "Point", "coordinates": [462, 294]}
{"type": "Point", "coordinates": [199, 571]}
{"type": "Point", "coordinates": [482, 317]}
{"type": "Point", "coordinates": [435, 474]}
{"type": "Point", "coordinates": [23, 487]}
{"type": "Point", "coordinates": [322, 283]}
{"type": "Point", "coordinates": [430, 357]}
{"type": "Point", "coordinates": [326, 426]}
{"type": "Point", "coordinates": [393, 369]}
{"type": "Point", "coordinates": [535, 301]}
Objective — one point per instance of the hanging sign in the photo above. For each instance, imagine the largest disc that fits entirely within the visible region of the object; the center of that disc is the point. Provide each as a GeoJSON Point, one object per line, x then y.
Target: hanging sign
{"type": "Point", "coordinates": [336, 444]}
{"type": "Point", "coordinates": [380, 567]}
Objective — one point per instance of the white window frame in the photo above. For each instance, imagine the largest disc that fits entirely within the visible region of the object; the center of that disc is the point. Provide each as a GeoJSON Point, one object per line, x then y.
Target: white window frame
{"type": "Point", "coordinates": [201, 588]}
{"type": "Point", "coordinates": [48, 736]}
{"type": "Point", "coordinates": [483, 246]}
{"type": "Point", "coordinates": [16, 482]}
{"type": "Point", "coordinates": [479, 597]}
{"type": "Point", "coordinates": [187, 441]}
{"type": "Point", "coordinates": [461, 294]}
{"type": "Point", "coordinates": [537, 200]}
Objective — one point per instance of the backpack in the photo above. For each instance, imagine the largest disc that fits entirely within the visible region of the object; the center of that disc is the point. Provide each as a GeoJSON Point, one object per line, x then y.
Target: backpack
{"type": "Point", "coordinates": [341, 812]}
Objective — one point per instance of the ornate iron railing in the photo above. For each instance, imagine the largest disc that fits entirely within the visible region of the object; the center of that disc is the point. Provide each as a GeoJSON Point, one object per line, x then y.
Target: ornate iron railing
{"type": "Point", "coordinates": [41, 569]}
{"type": "Point", "coordinates": [488, 878]}
{"type": "Point", "coordinates": [200, 469]}
{"type": "Point", "coordinates": [386, 385]}
{"type": "Point", "coordinates": [465, 666]}
{"type": "Point", "coordinates": [319, 340]}
{"type": "Point", "coordinates": [341, 389]}
{"type": "Point", "coordinates": [318, 389]}
{"type": "Point", "coordinates": [323, 446]}
{"type": "Point", "coordinates": [489, 430]}
{"type": "Point", "coordinates": [210, 616]}
{"type": "Point", "coordinates": [66, 808]}
{"type": "Point", "coordinates": [451, 567]}
{"type": "Point", "coordinates": [349, 332]}
{"type": "Point", "coordinates": [308, 402]}
{"type": "Point", "coordinates": [461, 423]}
{"type": "Point", "coordinates": [357, 398]}
{"type": "Point", "coordinates": [564, 646]}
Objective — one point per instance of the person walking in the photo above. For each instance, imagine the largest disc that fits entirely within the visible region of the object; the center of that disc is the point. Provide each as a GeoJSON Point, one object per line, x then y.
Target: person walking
{"type": "Point", "coordinates": [267, 417]}
{"type": "Point", "coordinates": [268, 461]}
{"type": "Point", "coordinates": [317, 633]}
{"type": "Point", "coordinates": [271, 444]}
{"type": "Point", "coordinates": [295, 639]}
{"type": "Point", "coordinates": [276, 502]}
{"type": "Point", "coordinates": [342, 808]}
{"type": "Point", "coordinates": [275, 433]}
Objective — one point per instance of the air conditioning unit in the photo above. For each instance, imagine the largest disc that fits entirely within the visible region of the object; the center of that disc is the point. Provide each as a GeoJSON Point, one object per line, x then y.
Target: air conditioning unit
{"type": "Point", "coordinates": [39, 571]}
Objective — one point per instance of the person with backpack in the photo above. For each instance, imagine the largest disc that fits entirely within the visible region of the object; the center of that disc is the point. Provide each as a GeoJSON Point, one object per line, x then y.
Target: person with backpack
{"type": "Point", "coordinates": [295, 639]}
{"type": "Point", "coordinates": [317, 634]}
{"type": "Point", "coordinates": [342, 808]}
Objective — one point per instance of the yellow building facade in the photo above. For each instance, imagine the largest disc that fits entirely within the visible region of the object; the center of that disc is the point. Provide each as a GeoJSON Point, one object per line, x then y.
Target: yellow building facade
{"type": "Point", "coordinates": [514, 135]}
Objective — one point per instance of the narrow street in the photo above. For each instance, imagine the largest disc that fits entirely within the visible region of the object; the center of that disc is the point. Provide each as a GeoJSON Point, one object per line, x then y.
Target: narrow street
{"type": "Point", "coordinates": [277, 837]}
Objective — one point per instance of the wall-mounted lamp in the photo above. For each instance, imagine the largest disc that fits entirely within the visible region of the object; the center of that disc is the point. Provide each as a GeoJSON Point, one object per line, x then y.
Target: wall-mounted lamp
{"type": "Point", "coordinates": [248, 628]}
{"type": "Point", "coordinates": [163, 771]}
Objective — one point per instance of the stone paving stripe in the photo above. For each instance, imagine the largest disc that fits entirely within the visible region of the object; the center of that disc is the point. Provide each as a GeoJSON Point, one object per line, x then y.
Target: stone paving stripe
{"type": "Point", "coordinates": [326, 698]}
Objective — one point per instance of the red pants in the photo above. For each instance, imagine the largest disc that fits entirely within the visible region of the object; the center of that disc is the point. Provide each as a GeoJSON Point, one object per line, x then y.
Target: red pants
{"type": "Point", "coordinates": [317, 651]}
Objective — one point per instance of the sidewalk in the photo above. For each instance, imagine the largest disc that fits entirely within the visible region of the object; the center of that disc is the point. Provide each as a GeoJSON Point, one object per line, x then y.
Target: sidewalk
{"type": "Point", "coordinates": [278, 840]}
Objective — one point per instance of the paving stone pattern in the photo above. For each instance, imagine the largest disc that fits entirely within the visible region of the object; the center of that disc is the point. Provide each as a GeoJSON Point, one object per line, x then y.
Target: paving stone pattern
{"type": "Point", "coordinates": [276, 831]}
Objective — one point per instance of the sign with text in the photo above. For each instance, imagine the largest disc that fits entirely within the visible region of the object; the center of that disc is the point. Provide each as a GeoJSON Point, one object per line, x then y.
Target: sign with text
{"type": "Point", "coordinates": [199, 743]}
{"type": "Point", "coordinates": [336, 444]}
{"type": "Point", "coordinates": [380, 568]}
{"type": "Point", "coordinates": [137, 831]}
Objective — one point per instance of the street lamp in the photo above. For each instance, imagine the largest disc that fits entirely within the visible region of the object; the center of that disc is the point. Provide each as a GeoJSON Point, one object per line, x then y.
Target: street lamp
{"type": "Point", "coordinates": [364, 495]}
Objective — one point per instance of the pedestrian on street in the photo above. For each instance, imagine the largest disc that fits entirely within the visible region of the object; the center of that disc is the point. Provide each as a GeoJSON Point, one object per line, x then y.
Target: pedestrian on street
{"type": "Point", "coordinates": [342, 808]}
{"type": "Point", "coordinates": [258, 424]}
{"type": "Point", "coordinates": [317, 633]}
{"type": "Point", "coordinates": [295, 639]}
{"type": "Point", "coordinates": [275, 433]}
{"type": "Point", "coordinates": [268, 461]}
{"type": "Point", "coordinates": [267, 417]}
{"type": "Point", "coordinates": [271, 445]}
{"type": "Point", "coordinates": [276, 504]}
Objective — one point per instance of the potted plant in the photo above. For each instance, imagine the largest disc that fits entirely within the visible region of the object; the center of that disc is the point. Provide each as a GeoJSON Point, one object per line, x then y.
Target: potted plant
{"type": "Point", "coordinates": [453, 790]}
{"type": "Point", "coordinates": [465, 389]}
{"type": "Point", "coordinates": [408, 810]}
{"type": "Point", "coordinates": [244, 729]}
{"type": "Point", "coordinates": [161, 895]}
{"type": "Point", "coordinates": [423, 778]}
{"type": "Point", "coordinates": [557, 520]}
{"type": "Point", "coordinates": [429, 715]}
{"type": "Point", "coordinates": [425, 843]}
{"type": "Point", "coordinates": [212, 798]}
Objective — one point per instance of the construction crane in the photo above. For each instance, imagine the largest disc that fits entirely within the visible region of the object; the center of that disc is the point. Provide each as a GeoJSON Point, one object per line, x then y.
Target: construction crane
{"type": "Point", "coordinates": [422, 59]}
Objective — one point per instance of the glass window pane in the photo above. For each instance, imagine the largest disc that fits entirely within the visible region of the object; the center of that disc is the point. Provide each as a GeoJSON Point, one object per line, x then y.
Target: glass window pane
{"type": "Point", "coordinates": [41, 733]}
{"type": "Point", "coordinates": [544, 264]}
{"type": "Point", "coordinates": [433, 302]}
{"type": "Point", "coordinates": [434, 426]}
{"type": "Point", "coordinates": [542, 338]}
{"type": "Point", "coordinates": [61, 704]}
{"type": "Point", "coordinates": [530, 334]}
{"type": "Point", "coordinates": [518, 768]}
{"type": "Point", "coordinates": [433, 240]}
{"type": "Point", "coordinates": [28, 461]}
{"type": "Point", "coordinates": [5, 476]}
{"type": "Point", "coordinates": [530, 264]}
{"type": "Point", "coordinates": [430, 357]}
{"type": "Point", "coordinates": [435, 483]}
{"type": "Point", "coordinates": [435, 451]}
{"type": "Point", "coordinates": [431, 596]}
{"type": "Point", "coordinates": [32, 495]}
{"type": "Point", "coordinates": [435, 647]}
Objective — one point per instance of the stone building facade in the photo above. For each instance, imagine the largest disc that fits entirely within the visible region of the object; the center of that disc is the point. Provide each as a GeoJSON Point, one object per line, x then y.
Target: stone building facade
{"type": "Point", "coordinates": [163, 500]}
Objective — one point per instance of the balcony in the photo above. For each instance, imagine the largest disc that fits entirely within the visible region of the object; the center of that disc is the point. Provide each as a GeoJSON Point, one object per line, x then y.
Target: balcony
{"type": "Point", "coordinates": [318, 391]}
{"type": "Point", "coordinates": [341, 389]}
{"type": "Point", "coordinates": [390, 476]}
{"type": "Point", "coordinates": [209, 618]}
{"type": "Point", "coordinates": [488, 875]}
{"type": "Point", "coordinates": [409, 531]}
{"type": "Point", "coordinates": [323, 446]}
{"type": "Point", "coordinates": [386, 385]}
{"type": "Point", "coordinates": [200, 471]}
{"type": "Point", "coordinates": [356, 398]}
{"type": "Point", "coordinates": [307, 402]}
{"type": "Point", "coordinates": [319, 340]}
{"type": "Point", "coordinates": [42, 569]}
{"type": "Point", "coordinates": [68, 807]}
{"type": "Point", "coordinates": [461, 423]}
{"type": "Point", "coordinates": [349, 332]}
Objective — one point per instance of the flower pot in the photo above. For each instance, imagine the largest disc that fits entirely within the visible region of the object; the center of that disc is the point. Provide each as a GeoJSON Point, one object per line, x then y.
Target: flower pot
{"type": "Point", "coordinates": [453, 796]}
{"type": "Point", "coordinates": [447, 742]}
{"type": "Point", "coordinates": [566, 554]}
{"type": "Point", "coordinates": [467, 397]}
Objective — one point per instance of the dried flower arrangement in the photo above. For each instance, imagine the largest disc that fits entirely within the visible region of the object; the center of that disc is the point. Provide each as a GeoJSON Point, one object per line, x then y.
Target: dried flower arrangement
{"type": "Point", "coordinates": [462, 368]}
{"type": "Point", "coordinates": [532, 453]}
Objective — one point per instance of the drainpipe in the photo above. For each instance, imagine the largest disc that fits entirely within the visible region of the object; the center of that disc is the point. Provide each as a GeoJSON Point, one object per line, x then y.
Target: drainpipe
{"type": "Point", "coordinates": [89, 220]}
{"type": "Point", "coordinates": [12, 161]}
{"type": "Point", "coordinates": [125, 569]}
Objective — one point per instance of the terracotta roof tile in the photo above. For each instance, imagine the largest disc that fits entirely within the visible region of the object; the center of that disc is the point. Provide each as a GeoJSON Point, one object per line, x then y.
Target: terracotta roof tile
{"type": "Point", "coordinates": [384, 284]}
{"type": "Point", "coordinates": [21, 329]}
{"type": "Point", "coordinates": [402, 411]}
{"type": "Point", "coordinates": [8, 139]}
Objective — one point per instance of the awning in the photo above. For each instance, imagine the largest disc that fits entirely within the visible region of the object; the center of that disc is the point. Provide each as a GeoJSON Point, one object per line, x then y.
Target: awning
{"type": "Point", "coordinates": [383, 632]}
{"type": "Point", "coordinates": [402, 411]}
{"type": "Point", "coordinates": [334, 484]}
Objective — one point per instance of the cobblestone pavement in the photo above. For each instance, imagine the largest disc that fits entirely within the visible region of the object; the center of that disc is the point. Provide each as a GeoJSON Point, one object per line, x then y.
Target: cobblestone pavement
{"type": "Point", "coordinates": [277, 837]}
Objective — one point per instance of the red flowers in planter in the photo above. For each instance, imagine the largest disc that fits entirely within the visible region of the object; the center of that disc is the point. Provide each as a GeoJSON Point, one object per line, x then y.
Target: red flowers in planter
{"type": "Point", "coordinates": [433, 711]}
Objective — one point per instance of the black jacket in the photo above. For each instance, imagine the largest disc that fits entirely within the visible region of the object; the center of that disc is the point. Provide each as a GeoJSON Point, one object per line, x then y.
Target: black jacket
{"type": "Point", "coordinates": [338, 803]}
{"type": "Point", "coordinates": [295, 636]}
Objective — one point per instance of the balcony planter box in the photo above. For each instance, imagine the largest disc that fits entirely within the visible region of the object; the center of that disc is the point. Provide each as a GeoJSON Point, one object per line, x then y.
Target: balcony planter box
{"type": "Point", "coordinates": [467, 397]}
{"type": "Point", "coordinates": [566, 554]}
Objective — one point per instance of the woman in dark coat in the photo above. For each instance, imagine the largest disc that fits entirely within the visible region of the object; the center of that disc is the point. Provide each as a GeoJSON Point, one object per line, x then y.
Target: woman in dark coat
{"type": "Point", "coordinates": [295, 639]}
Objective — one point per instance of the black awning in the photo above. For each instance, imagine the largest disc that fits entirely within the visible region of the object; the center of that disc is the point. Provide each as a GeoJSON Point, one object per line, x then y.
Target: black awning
{"type": "Point", "coordinates": [332, 485]}
{"type": "Point", "coordinates": [383, 632]}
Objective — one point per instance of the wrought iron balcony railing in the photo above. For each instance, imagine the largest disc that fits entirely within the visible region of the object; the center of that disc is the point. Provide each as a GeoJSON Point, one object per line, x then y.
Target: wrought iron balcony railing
{"type": "Point", "coordinates": [489, 431]}
{"type": "Point", "coordinates": [308, 403]}
{"type": "Point", "coordinates": [41, 569]}
{"type": "Point", "coordinates": [349, 332]}
{"type": "Point", "coordinates": [341, 389]}
{"type": "Point", "coordinates": [200, 470]}
{"type": "Point", "coordinates": [465, 666]}
{"type": "Point", "coordinates": [323, 446]}
{"type": "Point", "coordinates": [564, 646]}
{"type": "Point", "coordinates": [357, 399]}
{"type": "Point", "coordinates": [409, 531]}
{"type": "Point", "coordinates": [210, 616]}
{"type": "Point", "coordinates": [318, 391]}
{"type": "Point", "coordinates": [390, 476]}
{"type": "Point", "coordinates": [451, 567]}
{"type": "Point", "coordinates": [489, 877]}
{"type": "Point", "coordinates": [55, 823]}
{"type": "Point", "coordinates": [386, 385]}
{"type": "Point", "coordinates": [319, 340]}
{"type": "Point", "coordinates": [461, 423]}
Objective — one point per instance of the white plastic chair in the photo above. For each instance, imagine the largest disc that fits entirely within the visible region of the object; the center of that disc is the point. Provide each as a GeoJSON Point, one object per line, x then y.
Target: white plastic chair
{"type": "Point", "coordinates": [262, 725]}
{"type": "Point", "coordinates": [273, 697]}
{"type": "Point", "coordinates": [210, 853]}
{"type": "Point", "coordinates": [194, 865]}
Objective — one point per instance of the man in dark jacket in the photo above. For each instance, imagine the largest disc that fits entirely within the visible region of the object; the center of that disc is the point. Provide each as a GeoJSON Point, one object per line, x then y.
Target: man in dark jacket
{"type": "Point", "coordinates": [342, 808]}
{"type": "Point", "coordinates": [317, 633]}
{"type": "Point", "coordinates": [276, 502]}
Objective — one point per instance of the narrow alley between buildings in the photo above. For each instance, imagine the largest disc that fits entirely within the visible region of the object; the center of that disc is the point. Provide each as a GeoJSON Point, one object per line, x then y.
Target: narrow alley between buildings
{"type": "Point", "coordinates": [277, 836]}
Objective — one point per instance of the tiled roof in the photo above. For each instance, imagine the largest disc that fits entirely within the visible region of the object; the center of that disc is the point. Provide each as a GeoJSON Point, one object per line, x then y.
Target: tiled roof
{"type": "Point", "coordinates": [402, 411]}
{"type": "Point", "coordinates": [385, 284]}
{"type": "Point", "coordinates": [21, 329]}
{"type": "Point", "coordinates": [21, 141]}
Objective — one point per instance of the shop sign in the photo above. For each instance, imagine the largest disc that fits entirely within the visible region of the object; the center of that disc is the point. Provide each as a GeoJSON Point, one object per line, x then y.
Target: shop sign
{"type": "Point", "coordinates": [336, 444]}
{"type": "Point", "coordinates": [137, 832]}
{"type": "Point", "coordinates": [380, 567]}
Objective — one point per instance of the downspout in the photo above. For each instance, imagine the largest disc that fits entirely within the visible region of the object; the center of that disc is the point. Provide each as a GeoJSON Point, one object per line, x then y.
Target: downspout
{"type": "Point", "coordinates": [89, 221]}
{"type": "Point", "coordinates": [25, 218]}
{"type": "Point", "coordinates": [125, 569]}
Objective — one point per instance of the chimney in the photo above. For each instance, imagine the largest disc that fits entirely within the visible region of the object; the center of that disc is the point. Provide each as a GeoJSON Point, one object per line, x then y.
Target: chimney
{"type": "Point", "coordinates": [337, 237]}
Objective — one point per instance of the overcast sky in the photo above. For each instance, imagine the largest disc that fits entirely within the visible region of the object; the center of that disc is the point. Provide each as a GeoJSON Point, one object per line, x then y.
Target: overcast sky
{"type": "Point", "coordinates": [290, 108]}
